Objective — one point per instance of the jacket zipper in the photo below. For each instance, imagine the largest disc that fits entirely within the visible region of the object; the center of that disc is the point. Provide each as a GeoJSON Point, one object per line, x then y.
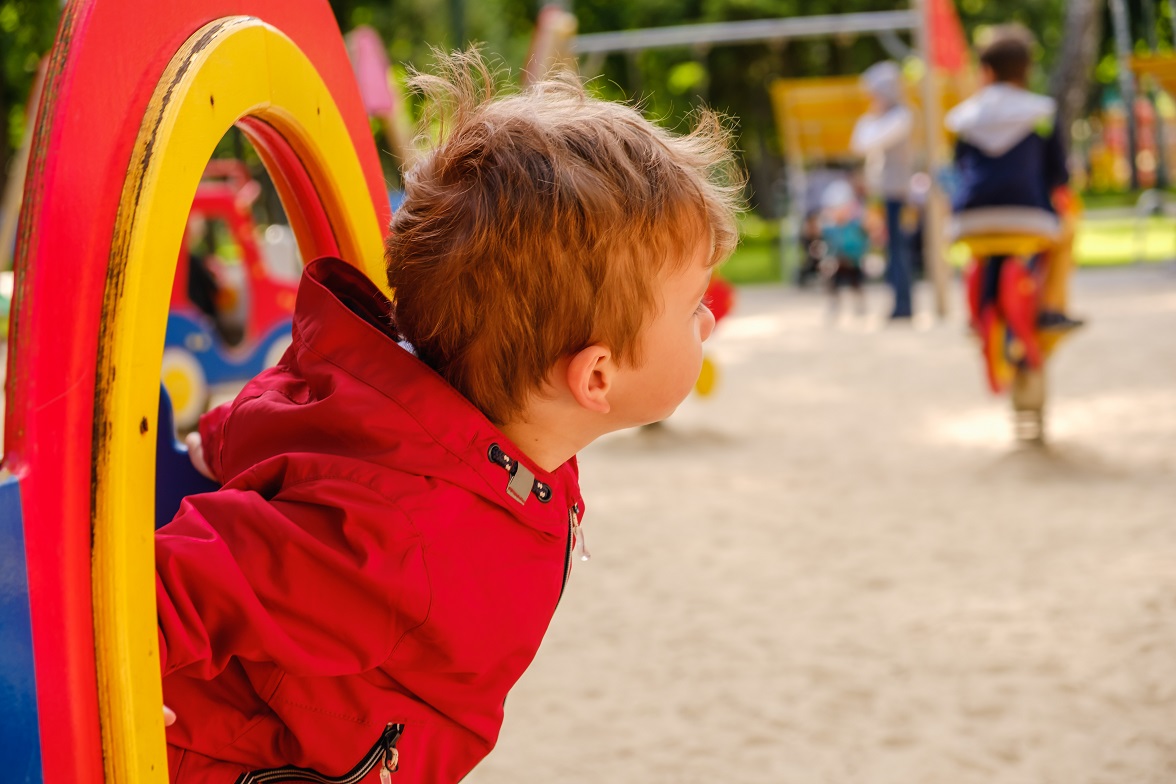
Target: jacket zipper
{"type": "Point", "coordinates": [575, 542]}
{"type": "Point", "coordinates": [384, 754]}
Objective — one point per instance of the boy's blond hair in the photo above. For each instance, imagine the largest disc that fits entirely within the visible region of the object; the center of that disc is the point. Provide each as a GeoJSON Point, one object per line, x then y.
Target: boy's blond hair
{"type": "Point", "coordinates": [541, 223]}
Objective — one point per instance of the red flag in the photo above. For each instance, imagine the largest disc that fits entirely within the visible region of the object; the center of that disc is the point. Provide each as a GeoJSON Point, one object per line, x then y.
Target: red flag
{"type": "Point", "coordinates": [949, 47]}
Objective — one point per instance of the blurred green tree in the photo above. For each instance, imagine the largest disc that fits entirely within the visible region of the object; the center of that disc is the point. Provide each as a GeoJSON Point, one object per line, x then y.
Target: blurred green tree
{"type": "Point", "coordinates": [27, 28]}
{"type": "Point", "coordinates": [669, 83]}
{"type": "Point", "coordinates": [736, 78]}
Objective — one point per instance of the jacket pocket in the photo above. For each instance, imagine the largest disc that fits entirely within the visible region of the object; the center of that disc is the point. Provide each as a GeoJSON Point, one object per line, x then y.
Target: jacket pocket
{"type": "Point", "coordinates": [383, 755]}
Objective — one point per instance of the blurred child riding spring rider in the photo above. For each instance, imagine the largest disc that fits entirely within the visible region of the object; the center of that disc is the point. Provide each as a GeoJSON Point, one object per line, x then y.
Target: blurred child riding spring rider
{"type": "Point", "coordinates": [1011, 172]}
{"type": "Point", "coordinates": [400, 501]}
{"type": "Point", "coordinates": [883, 135]}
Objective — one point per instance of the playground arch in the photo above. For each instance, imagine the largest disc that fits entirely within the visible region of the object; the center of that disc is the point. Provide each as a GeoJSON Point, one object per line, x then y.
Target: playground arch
{"type": "Point", "coordinates": [137, 96]}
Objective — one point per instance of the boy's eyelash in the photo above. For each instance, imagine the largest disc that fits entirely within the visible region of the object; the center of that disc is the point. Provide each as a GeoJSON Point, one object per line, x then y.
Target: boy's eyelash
{"type": "Point", "coordinates": [703, 304]}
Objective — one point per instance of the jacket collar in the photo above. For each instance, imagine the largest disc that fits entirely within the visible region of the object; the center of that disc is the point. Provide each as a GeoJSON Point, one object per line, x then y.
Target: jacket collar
{"type": "Point", "coordinates": [345, 320]}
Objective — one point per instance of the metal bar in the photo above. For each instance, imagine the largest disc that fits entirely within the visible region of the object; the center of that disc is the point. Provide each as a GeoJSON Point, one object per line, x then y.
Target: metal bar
{"type": "Point", "coordinates": [895, 46]}
{"type": "Point", "coordinates": [746, 32]}
{"type": "Point", "coordinates": [935, 209]}
{"type": "Point", "coordinates": [793, 222]}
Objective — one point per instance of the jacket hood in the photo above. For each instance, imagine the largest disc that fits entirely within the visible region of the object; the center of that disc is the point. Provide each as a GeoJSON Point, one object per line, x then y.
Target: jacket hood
{"type": "Point", "coordinates": [999, 116]}
{"type": "Point", "coordinates": [345, 385]}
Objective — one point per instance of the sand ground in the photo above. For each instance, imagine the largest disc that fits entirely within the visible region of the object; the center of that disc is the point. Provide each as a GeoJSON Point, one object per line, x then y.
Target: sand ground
{"type": "Point", "coordinates": [840, 569]}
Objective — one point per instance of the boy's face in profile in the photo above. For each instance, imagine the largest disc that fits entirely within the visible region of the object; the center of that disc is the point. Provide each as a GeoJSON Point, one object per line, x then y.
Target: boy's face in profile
{"type": "Point", "coordinates": [671, 345]}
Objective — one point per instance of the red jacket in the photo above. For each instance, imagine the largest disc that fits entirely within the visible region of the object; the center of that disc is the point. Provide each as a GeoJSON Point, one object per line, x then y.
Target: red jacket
{"type": "Point", "coordinates": [369, 576]}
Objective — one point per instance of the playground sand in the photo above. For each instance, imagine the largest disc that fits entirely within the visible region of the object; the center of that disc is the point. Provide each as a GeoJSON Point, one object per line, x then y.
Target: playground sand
{"type": "Point", "coordinates": [839, 569]}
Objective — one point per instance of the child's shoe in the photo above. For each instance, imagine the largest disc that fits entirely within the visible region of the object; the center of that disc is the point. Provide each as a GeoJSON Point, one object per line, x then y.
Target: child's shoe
{"type": "Point", "coordinates": [1053, 321]}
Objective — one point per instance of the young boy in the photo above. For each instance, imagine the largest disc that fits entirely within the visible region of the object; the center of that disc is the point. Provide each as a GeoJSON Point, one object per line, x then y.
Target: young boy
{"type": "Point", "coordinates": [1009, 157]}
{"type": "Point", "coordinates": [400, 503]}
{"type": "Point", "coordinates": [846, 242]}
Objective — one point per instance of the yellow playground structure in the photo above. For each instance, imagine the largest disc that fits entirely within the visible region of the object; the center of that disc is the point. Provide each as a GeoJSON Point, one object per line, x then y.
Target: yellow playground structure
{"type": "Point", "coordinates": [1162, 67]}
{"type": "Point", "coordinates": [816, 117]}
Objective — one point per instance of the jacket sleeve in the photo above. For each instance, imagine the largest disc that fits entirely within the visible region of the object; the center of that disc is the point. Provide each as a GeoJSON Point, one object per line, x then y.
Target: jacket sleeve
{"type": "Point", "coordinates": [881, 131]}
{"type": "Point", "coordinates": [212, 425]}
{"type": "Point", "coordinates": [323, 579]}
{"type": "Point", "coordinates": [1057, 172]}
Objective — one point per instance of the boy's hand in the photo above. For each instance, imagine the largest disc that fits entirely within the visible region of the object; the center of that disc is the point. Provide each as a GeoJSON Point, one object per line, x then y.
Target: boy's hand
{"type": "Point", "coordinates": [169, 716]}
{"type": "Point", "coordinates": [196, 455]}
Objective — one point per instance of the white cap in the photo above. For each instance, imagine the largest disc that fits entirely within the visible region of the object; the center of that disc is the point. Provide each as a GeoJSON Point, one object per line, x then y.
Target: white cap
{"type": "Point", "coordinates": [884, 81]}
{"type": "Point", "coordinates": [837, 194]}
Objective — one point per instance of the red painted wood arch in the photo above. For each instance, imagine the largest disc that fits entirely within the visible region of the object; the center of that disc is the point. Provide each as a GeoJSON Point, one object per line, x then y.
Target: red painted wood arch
{"type": "Point", "coordinates": [104, 68]}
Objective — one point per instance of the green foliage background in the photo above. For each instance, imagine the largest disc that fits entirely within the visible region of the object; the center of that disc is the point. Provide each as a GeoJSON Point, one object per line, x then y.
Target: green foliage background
{"type": "Point", "coordinates": [669, 83]}
{"type": "Point", "coordinates": [27, 28]}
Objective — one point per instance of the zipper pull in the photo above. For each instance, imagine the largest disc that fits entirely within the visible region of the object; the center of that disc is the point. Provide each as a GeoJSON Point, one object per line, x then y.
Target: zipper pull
{"type": "Point", "coordinates": [581, 544]}
{"type": "Point", "coordinates": [391, 762]}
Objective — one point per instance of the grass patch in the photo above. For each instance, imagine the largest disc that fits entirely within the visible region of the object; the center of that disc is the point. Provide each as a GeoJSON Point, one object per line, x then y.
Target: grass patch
{"type": "Point", "coordinates": [1101, 242]}
{"type": "Point", "coordinates": [757, 258]}
{"type": "Point", "coordinates": [754, 261]}
{"type": "Point", "coordinates": [1121, 241]}
{"type": "Point", "coordinates": [1116, 199]}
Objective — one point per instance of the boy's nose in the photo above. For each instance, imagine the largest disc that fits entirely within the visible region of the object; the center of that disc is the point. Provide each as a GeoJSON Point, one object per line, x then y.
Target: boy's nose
{"type": "Point", "coordinates": [706, 324]}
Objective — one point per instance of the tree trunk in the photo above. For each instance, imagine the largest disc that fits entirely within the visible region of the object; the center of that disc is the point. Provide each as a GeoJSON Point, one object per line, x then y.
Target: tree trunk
{"type": "Point", "coordinates": [5, 148]}
{"type": "Point", "coordinates": [1070, 82]}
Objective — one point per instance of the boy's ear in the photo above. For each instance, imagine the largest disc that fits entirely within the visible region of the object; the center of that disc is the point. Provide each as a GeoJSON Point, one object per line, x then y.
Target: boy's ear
{"type": "Point", "coordinates": [590, 377]}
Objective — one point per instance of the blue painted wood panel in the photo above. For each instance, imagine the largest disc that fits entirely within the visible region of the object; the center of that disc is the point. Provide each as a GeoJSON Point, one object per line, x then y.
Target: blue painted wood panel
{"type": "Point", "coordinates": [20, 742]}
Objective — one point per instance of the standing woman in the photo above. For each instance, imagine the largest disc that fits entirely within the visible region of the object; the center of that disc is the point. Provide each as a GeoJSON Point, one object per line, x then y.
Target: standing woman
{"type": "Point", "coordinates": [883, 136]}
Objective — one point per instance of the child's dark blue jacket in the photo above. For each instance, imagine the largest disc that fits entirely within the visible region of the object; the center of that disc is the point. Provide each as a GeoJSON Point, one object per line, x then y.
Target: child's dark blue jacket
{"type": "Point", "coordinates": [1008, 154]}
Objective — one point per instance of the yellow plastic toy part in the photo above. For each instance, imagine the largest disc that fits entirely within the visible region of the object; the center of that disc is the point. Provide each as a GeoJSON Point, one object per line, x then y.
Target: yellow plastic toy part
{"type": "Point", "coordinates": [708, 378]}
{"type": "Point", "coordinates": [1023, 245]}
{"type": "Point", "coordinates": [230, 69]}
{"type": "Point", "coordinates": [1049, 341]}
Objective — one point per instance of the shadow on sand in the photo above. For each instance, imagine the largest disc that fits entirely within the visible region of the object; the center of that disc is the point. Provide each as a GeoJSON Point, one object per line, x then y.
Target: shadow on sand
{"type": "Point", "coordinates": [1053, 462]}
{"type": "Point", "coordinates": [663, 437]}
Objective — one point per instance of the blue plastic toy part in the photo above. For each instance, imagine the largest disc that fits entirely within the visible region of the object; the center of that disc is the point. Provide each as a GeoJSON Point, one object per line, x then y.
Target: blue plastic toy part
{"type": "Point", "coordinates": [175, 478]}
{"type": "Point", "coordinates": [20, 739]}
